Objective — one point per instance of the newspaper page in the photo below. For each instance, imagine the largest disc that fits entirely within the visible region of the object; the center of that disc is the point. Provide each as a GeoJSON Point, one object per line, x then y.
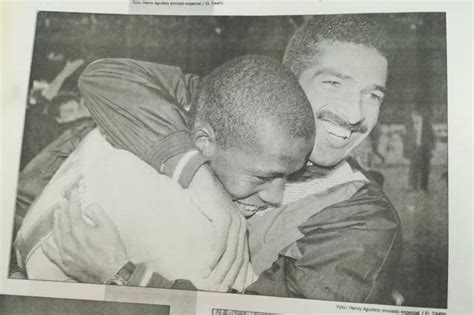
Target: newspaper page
{"type": "Point", "coordinates": [227, 157]}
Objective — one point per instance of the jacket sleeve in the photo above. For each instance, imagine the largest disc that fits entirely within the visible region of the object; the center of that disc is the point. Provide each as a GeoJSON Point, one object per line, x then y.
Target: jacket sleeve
{"type": "Point", "coordinates": [351, 256]}
{"type": "Point", "coordinates": [142, 276]}
{"type": "Point", "coordinates": [140, 107]}
{"type": "Point", "coordinates": [349, 252]}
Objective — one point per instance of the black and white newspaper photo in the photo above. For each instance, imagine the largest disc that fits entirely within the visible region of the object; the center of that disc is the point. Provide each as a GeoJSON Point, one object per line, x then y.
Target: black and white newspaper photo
{"type": "Point", "coordinates": [215, 157]}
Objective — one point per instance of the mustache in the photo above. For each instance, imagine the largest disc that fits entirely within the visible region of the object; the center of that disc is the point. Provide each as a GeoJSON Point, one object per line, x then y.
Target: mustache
{"type": "Point", "coordinates": [341, 122]}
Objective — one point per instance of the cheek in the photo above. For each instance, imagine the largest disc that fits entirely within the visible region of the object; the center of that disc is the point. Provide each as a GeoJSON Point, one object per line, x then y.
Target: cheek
{"type": "Point", "coordinates": [241, 190]}
{"type": "Point", "coordinates": [371, 115]}
{"type": "Point", "coordinates": [237, 187]}
{"type": "Point", "coordinates": [317, 98]}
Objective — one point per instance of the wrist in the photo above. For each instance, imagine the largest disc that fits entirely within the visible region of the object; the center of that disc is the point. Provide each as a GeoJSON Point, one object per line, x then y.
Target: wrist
{"type": "Point", "coordinates": [183, 167]}
{"type": "Point", "coordinates": [110, 268]}
{"type": "Point", "coordinates": [122, 276]}
{"type": "Point", "coordinates": [170, 165]}
{"type": "Point", "coordinates": [171, 147]}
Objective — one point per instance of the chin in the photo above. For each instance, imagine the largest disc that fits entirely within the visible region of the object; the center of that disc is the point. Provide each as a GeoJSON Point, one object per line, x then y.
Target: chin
{"type": "Point", "coordinates": [329, 157]}
{"type": "Point", "coordinates": [326, 162]}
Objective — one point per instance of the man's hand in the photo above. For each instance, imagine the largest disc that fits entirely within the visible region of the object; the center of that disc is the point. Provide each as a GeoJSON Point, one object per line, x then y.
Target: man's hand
{"type": "Point", "coordinates": [230, 253]}
{"type": "Point", "coordinates": [85, 252]}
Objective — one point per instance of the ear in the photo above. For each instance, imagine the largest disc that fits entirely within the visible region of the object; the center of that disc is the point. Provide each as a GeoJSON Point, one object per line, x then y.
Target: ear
{"type": "Point", "coordinates": [204, 138]}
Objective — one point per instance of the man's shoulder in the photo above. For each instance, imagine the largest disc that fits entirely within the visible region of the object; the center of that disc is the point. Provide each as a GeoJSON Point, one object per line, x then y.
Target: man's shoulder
{"type": "Point", "coordinates": [368, 207]}
{"type": "Point", "coordinates": [355, 243]}
{"type": "Point", "coordinates": [366, 225]}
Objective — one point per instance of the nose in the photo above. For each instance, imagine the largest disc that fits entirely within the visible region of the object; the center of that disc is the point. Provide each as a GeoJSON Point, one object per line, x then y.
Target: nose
{"type": "Point", "coordinates": [350, 107]}
{"type": "Point", "coordinates": [273, 192]}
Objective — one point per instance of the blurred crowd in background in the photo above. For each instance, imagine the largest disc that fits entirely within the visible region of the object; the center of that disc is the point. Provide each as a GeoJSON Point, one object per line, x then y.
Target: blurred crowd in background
{"type": "Point", "coordinates": [406, 152]}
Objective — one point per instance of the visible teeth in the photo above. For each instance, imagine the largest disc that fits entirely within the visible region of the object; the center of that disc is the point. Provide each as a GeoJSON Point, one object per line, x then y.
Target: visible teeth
{"type": "Point", "coordinates": [251, 208]}
{"type": "Point", "coordinates": [336, 130]}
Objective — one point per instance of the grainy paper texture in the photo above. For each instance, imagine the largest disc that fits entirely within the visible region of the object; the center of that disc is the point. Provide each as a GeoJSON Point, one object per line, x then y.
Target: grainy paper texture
{"type": "Point", "coordinates": [427, 84]}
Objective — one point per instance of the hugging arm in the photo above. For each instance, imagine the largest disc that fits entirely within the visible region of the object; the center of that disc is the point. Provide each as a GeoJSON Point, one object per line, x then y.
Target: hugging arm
{"type": "Point", "coordinates": [140, 107]}
{"type": "Point", "coordinates": [96, 253]}
{"type": "Point", "coordinates": [348, 252]}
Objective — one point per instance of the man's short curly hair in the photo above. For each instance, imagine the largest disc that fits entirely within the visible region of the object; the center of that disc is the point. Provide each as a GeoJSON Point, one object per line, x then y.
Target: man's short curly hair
{"type": "Point", "coordinates": [241, 94]}
{"type": "Point", "coordinates": [303, 48]}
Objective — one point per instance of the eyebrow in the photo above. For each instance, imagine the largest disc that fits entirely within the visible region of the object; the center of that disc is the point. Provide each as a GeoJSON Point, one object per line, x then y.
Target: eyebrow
{"type": "Point", "coordinates": [341, 76]}
{"type": "Point", "coordinates": [332, 72]}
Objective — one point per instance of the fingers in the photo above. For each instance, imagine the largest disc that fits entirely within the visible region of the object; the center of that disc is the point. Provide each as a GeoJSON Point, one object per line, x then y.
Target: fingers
{"type": "Point", "coordinates": [64, 230]}
{"type": "Point", "coordinates": [71, 184]}
{"type": "Point", "coordinates": [52, 254]}
{"type": "Point", "coordinates": [246, 264]}
{"type": "Point", "coordinates": [58, 231]}
{"type": "Point", "coordinates": [74, 208]}
{"type": "Point", "coordinates": [207, 192]}
{"type": "Point", "coordinates": [228, 259]}
{"type": "Point", "coordinates": [221, 231]}
{"type": "Point", "coordinates": [241, 279]}
{"type": "Point", "coordinates": [239, 260]}
{"type": "Point", "coordinates": [100, 218]}
{"type": "Point", "coordinates": [62, 223]}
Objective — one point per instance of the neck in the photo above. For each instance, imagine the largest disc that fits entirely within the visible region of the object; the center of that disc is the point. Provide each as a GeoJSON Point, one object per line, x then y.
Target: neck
{"type": "Point", "coordinates": [311, 171]}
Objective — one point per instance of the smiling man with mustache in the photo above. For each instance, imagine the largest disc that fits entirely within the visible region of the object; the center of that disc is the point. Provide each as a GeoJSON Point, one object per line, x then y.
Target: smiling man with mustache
{"type": "Point", "coordinates": [335, 236]}
{"type": "Point", "coordinates": [346, 87]}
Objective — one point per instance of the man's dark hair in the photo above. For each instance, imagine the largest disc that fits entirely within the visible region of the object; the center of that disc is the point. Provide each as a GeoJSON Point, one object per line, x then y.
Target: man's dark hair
{"type": "Point", "coordinates": [303, 48]}
{"type": "Point", "coordinates": [241, 94]}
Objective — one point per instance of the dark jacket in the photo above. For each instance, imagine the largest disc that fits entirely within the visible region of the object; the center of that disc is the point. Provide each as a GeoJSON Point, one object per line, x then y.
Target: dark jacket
{"type": "Point", "coordinates": [348, 251]}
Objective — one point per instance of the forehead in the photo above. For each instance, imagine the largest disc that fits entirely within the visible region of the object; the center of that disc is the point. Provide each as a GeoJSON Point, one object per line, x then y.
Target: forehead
{"type": "Point", "coordinates": [355, 61]}
{"type": "Point", "coordinates": [272, 163]}
{"type": "Point", "coordinates": [276, 151]}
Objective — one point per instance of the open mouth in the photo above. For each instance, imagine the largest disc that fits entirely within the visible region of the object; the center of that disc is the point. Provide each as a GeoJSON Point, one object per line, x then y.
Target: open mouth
{"type": "Point", "coordinates": [336, 130]}
{"type": "Point", "coordinates": [251, 208]}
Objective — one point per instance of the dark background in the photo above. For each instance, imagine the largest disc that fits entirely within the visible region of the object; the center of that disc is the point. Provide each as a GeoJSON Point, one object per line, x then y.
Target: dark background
{"type": "Point", "coordinates": [199, 44]}
{"type": "Point", "coordinates": [417, 80]}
